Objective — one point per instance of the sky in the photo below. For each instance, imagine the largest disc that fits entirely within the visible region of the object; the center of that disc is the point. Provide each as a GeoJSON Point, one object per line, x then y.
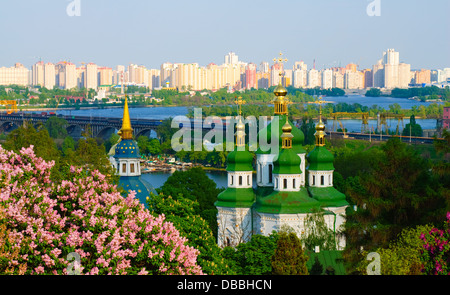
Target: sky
{"type": "Point", "coordinates": [331, 32]}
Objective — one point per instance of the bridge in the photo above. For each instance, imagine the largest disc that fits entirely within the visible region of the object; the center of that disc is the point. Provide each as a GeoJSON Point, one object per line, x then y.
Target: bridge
{"type": "Point", "coordinates": [101, 127]}
{"type": "Point", "coordinates": [382, 137]}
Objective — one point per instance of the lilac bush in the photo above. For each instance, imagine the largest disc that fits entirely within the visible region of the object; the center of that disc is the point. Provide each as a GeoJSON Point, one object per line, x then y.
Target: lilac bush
{"type": "Point", "coordinates": [85, 216]}
{"type": "Point", "coordinates": [436, 250]}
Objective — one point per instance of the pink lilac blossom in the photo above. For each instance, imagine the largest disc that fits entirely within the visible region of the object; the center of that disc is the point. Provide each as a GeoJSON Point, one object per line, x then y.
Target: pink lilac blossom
{"type": "Point", "coordinates": [86, 215]}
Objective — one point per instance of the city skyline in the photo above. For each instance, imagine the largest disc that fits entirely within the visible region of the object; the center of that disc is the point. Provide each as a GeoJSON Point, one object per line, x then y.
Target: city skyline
{"type": "Point", "coordinates": [152, 33]}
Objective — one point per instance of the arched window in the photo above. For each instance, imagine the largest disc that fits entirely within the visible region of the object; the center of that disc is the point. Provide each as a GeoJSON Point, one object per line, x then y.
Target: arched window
{"type": "Point", "coordinates": [231, 182]}
{"type": "Point", "coordinates": [285, 183]}
{"type": "Point", "coordinates": [270, 174]}
{"type": "Point", "coordinates": [124, 168]}
{"type": "Point", "coordinates": [314, 180]}
{"type": "Point", "coordinates": [240, 180]}
{"type": "Point", "coordinates": [322, 180]}
{"type": "Point", "coordinates": [132, 168]}
{"type": "Point", "coordinates": [293, 183]}
{"type": "Point", "coordinates": [248, 180]}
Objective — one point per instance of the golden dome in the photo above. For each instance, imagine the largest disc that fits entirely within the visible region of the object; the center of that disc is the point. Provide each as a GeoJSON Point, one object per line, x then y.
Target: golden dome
{"type": "Point", "coordinates": [320, 126]}
{"type": "Point", "coordinates": [287, 128]}
{"type": "Point", "coordinates": [280, 91]}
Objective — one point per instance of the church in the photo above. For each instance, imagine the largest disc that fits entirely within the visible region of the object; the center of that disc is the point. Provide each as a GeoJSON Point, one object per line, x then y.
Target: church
{"type": "Point", "coordinates": [126, 159]}
{"type": "Point", "coordinates": [281, 195]}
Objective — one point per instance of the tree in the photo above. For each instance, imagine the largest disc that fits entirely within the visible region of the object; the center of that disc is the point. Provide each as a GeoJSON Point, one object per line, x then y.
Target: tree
{"type": "Point", "coordinates": [436, 249]}
{"type": "Point", "coordinates": [86, 218]}
{"type": "Point", "coordinates": [195, 185]}
{"type": "Point", "coordinates": [68, 146]}
{"type": "Point", "coordinates": [289, 258]}
{"type": "Point", "coordinates": [412, 128]}
{"type": "Point", "coordinates": [253, 257]}
{"type": "Point", "coordinates": [183, 213]}
{"type": "Point", "coordinates": [400, 192]}
{"type": "Point", "coordinates": [373, 92]}
{"type": "Point", "coordinates": [56, 127]}
{"type": "Point", "coordinates": [403, 255]}
{"type": "Point", "coordinates": [316, 268]}
{"type": "Point", "coordinates": [317, 233]}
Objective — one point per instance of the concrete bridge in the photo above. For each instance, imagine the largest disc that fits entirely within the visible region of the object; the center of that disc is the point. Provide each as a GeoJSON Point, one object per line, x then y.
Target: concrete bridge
{"type": "Point", "coordinates": [99, 126]}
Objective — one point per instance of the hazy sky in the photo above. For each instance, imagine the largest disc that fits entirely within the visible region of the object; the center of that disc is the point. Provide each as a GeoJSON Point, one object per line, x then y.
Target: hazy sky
{"type": "Point", "coordinates": [110, 32]}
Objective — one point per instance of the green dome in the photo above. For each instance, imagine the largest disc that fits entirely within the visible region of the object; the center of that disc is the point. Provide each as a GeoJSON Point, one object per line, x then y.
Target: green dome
{"type": "Point", "coordinates": [287, 162]}
{"type": "Point", "coordinates": [236, 198]}
{"type": "Point", "coordinates": [287, 203]}
{"type": "Point", "coordinates": [320, 159]}
{"type": "Point", "coordinates": [240, 161]}
{"type": "Point", "coordinates": [127, 148]}
{"type": "Point", "coordinates": [266, 133]}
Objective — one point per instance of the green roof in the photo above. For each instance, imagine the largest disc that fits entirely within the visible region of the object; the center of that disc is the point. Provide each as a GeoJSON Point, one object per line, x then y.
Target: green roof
{"type": "Point", "coordinates": [328, 196]}
{"type": "Point", "coordinates": [236, 198]}
{"type": "Point", "coordinates": [240, 161]}
{"type": "Point", "coordinates": [266, 133]}
{"type": "Point", "coordinates": [331, 258]}
{"type": "Point", "coordinates": [287, 162]}
{"type": "Point", "coordinates": [278, 202]}
{"type": "Point", "coordinates": [320, 159]}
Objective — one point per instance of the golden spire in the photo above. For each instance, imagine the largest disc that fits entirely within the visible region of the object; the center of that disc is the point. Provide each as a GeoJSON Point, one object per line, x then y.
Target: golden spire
{"type": "Point", "coordinates": [286, 136]}
{"type": "Point", "coordinates": [280, 92]}
{"type": "Point", "coordinates": [240, 126]}
{"type": "Point", "coordinates": [320, 127]}
{"type": "Point", "coordinates": [126, 132]}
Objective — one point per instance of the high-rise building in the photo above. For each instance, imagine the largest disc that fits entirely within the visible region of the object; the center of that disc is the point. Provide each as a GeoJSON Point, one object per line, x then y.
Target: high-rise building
{"type": "Point", "coordinates": [353, 80]}
{"type": "Point", "coordinates": [338, 79]}
{"type": "Point", "coordinates": [70, 76]}
{"type": "Point", "coordinates": [367, 78]}
{"type": "Point", "coordinates": [300, 65]}
{"type": "Point", "coordinates": [38, 74]}
{"type": "Point", "coordinates": [17, 75]}
{"type": "Point", "coordinates": [389, 72]}
{"type": "Point", "coordinates": [327, 79]}
{"type": "Point", "coordinates": [91, 78]}
{"type": "Point", "coordinates": [299, 78]}
{"type": "Point", "coordinates": [313, 78]}
{"type": "Point", "coordinates": [105, 76]}
{"type": "Point", "coordinates": [422, 76]}
{"type": "Point", "coordinates": [250, 76]}
{"type": "Point", "coordinates": [264, 67]}
{"type": "Point", "coordinates": [231, 58]}
{"type": "Point", "coordinates": [49, 75]}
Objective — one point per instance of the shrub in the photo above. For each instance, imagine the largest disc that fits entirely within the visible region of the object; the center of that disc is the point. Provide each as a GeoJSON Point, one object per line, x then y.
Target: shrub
{"type": "Point", "coordinates": [86, 217]}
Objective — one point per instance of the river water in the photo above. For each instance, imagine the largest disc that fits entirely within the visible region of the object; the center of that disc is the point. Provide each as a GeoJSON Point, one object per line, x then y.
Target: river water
{"type": "Point", "coordinates": [157, 179]}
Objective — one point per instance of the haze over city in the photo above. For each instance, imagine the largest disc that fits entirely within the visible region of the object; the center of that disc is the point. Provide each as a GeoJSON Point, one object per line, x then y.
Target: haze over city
{"type": "Point", "coordinates": [332, 33]}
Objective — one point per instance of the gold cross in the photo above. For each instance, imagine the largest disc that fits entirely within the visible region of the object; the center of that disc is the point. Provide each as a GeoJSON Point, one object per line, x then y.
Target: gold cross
{"type": "Point", "coordinates": [320, 102]}
{"type": "Point", "coordinates": [240, 102]}
{"type": "Point", "coordinates": [280, 59]}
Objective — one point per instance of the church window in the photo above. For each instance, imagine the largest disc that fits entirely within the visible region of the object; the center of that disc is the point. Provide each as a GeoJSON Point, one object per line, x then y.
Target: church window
{"type": "Point", "coordinates": [248, 180]}
{"type": "Point", "coordinates": [285, 183]}
{"type": "Point", "coordinates": [270, 174]}
{"type": "Point", "coordinates": [132, 168]}
{"type": "Point", "coordinates": [322, 180]}
{"type": "Point", "coordinates": [293, 183]}
{"type": "Point", "coordinates": [314, 180]}
{"type": "Point", "coordinates": [124, 168]}
{"type": "Point", "coordinates": [231, 183]}
{"type": "Point", "coordinates": [240, 180]}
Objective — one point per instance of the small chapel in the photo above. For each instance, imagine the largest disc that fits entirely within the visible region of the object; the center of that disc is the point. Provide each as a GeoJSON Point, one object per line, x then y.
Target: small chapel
{"type": "Point", "coordinates": [290, 184]}
{"type": "Point", "coordinates": [126, 159]}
